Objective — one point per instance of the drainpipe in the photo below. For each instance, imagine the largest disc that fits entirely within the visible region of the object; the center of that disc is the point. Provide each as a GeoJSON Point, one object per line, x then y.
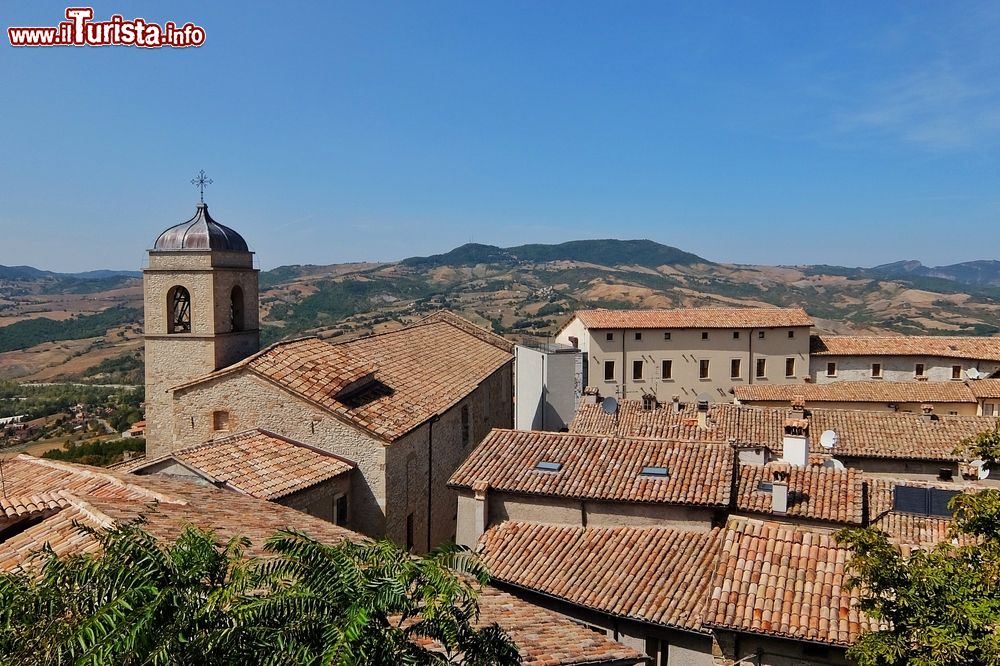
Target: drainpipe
{"type": "Point", "coordinates": [624, 374]}
{"type": "Point", "coordinates": [430, 473]}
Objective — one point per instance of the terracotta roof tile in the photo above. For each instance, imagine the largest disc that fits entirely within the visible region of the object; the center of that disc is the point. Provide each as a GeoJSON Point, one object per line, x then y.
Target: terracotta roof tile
{"type": "Point", "coordinates": [815, 493]}
{"type": "Point", "coordinates": [780, 581]}
{"type": "Point", "coordinates": [696, 318]}
{"type": "Point", "coordinates": [859, 391]}
{"type": "Point", "coordinates": [387, 384]}
{"type": "Point", "coordinates": [973, 348]}
{"type": "Point", "coordinates": [544, 638]}
{"type": "Point", "coordinates": [258, 463]}
{"type": "Point", "coordinates": [861, 434]}
{"type": "Point", "coordinates": [907, 529]}
{"type": "Point", "coordinates": [100, 498]}
{"type": "Point", "coordinates": [985, 388]}
{"type": "Point", "coordinates": [450, 317]}
{"type": "Point", "coordinates": [600, 468]}
{"type": "Point", "coordinates": [653, 574]}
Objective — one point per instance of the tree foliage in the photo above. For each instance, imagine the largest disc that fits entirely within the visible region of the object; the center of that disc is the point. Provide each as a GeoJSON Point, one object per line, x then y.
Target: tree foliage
{"type": "Point", "coordinates": [197, 601]}
{"type": "Point", "coordinates": [939, 606]}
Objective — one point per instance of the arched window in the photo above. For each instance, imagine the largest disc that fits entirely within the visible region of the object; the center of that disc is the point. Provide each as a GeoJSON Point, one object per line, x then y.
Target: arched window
{"type": "Point", "coordinates": [178, 310]}
{"type": "Point", "coordinates": [236, 309]}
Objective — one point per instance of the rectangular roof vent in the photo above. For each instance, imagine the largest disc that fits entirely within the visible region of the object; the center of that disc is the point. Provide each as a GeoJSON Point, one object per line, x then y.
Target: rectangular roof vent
{"type": "Point", "coordinates": [548, 466]}
{"type": "Point", "coordinates": [656, 472]}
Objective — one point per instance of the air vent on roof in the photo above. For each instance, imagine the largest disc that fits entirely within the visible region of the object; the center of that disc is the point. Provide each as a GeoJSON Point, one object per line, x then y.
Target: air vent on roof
{"type": "Point", "coordinates": [548, 466]}
{"type": "Point", "coordinates": [657, 472]}
{"type": "Point", "coordinates": [922, 501]}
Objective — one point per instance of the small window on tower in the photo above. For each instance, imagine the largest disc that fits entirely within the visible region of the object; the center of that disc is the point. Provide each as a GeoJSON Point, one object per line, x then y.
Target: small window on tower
{"type": "Point", "coordinates": [220, 421]}
{"type": "Point", "coordinates": [236, 319]}
{"type": "Point", "coordinates": [179, 304]}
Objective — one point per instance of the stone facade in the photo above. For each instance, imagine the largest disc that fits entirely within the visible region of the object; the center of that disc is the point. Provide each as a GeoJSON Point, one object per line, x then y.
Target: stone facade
{"type": "Point", "coordinates": [175, 358]}
{"type": "Point", "coordinates": [392, 480]}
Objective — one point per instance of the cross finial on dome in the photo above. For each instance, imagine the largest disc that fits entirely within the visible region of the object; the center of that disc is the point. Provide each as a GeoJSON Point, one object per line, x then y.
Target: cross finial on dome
{"type": "Point", "coordinates": [201, 181]}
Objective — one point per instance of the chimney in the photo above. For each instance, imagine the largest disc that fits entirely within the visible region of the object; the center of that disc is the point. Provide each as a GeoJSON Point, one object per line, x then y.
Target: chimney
{"type": "Point", "coordinates": [795, 443]}
{"type": "Point", "coordinates": [779, 487]}
{"type": "Point", "coordinates": [470, 528]}
{"type": "Point", "coordinates": [702, 412]}
{"type": "Point", "coordinates": [675, 402]}
{"type": "Point", "coordinates": [927, 412]}
{"type": "Point", "coordinates": [798, 403]}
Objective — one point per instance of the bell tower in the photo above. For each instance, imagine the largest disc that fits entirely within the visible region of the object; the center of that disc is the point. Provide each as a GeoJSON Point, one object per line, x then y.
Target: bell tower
{"type": "Point", "coordinates": [201, 313]}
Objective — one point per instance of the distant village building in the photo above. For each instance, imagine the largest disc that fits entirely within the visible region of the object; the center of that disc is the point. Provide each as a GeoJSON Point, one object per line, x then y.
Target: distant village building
{"type": "Point", "coordinates": [689, 352]}
{"type": "Point", "coordinates": [402, 408]}
{"type": "Point", "coordinates": [903, 358]}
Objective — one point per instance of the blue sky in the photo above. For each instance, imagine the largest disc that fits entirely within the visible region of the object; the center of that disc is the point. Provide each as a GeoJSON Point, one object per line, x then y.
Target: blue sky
{"type": "Point", "coordinates": [852, 133]}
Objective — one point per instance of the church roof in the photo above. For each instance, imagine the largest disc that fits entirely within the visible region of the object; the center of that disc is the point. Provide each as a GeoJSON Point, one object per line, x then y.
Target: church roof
{"type": "Point", "coordinates": [257, 463]}
{"type": "Point", "coordinates": [201, 232]}
{"type": "Point", "coordinates": [386, 384]}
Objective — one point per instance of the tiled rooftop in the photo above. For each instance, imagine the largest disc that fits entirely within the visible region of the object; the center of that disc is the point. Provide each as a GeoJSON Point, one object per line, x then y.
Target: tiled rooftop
{"type": "Point", "coordinates": [815, 493]}
{"type": "Point", "coordinates": [599, 468]}
{"type": "Point", "coordinates": [985, 388]}
{"type": "Point", "coordinates": [653, 574]}
{"type": "Point", "coordinates": [973, 348]}
{"type": "Point", "coordinates": [907, 529]}
{"type": "Point", "coordinates": [99, 498]}
{"type": "Point", "coordinates": [257, 463]}
{"type": "Point", "coordinates": [544, 638]}
{"type": "Point", "coordinates": [859, 391]}
{"type": "Point", "coordinates": [861, 434]}
{"type": "Point", "coordinates": [696, 318]}
{"type": "Point", "coordinates": [777, 580]}
{"type": "Point", "coordinates": [386, 384]}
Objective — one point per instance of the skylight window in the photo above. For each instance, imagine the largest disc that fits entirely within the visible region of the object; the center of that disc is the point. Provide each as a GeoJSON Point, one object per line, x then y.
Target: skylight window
{"type": "Point", "coordinates": [765, 486]}
{"type": "Point", "coordinates": [656, 472]}
{"type": "Point", "coordinates": [548, 466]}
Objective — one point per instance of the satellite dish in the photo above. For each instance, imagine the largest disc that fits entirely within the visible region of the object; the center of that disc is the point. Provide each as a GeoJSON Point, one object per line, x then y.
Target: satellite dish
{"type": "Point", "coordinates": [973, 373]}
{"type": "Point", "coordinates": [609, 405]}
{"type": "Point", "coordinates": [982, 471]}
{"type": "Point", "coordinates": [834, 464]}
{"type": "Point", "coordinates": [828, 439]}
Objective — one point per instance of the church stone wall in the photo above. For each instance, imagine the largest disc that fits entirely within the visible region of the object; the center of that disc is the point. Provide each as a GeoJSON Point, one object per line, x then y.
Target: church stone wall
{"type": "Point", "coordinates": [438, 446]}
{"type": "Point", "coordinates": [319, 500]}
{"type": "Point", "coordinates": [255, 403]}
